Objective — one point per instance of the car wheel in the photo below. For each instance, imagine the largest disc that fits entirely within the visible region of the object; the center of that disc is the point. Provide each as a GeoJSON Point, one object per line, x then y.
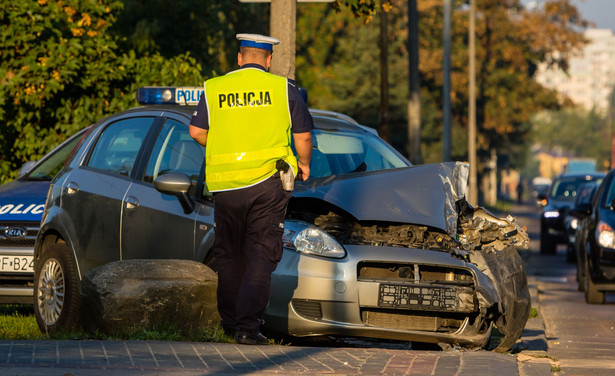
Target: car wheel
{"type": "Point", "coordinates": [592, 295]}
{"type": "Point", "coordinates": [511, 284]}
{"type": "Point", "coordinates": [580, 277]}
{"type": "Point", "coordinates": [547, 245]}
{"type": "Point", "coordinates": [56, 290]}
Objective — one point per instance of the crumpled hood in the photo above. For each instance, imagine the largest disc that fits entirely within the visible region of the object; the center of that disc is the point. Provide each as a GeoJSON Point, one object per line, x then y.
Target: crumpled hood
{"type": "Point", "coordinates": [423, 194]}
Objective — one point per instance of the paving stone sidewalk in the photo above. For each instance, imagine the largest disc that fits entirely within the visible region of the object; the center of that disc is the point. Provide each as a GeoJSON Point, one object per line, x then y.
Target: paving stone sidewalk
{"type": "Point", "coordinates": [184, 358]}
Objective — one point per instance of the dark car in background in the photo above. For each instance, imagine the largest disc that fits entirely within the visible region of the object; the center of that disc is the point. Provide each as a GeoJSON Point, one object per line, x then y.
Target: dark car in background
{"type": "Point", "coordinates": [560, 199]}
{"type": "Point", "coordinates": [575, 217]}
{"type": "Point", "coordinates": [373, 246]}
{"type": "Point", "coordinates": [21, 207]}
{"type": "Point", "coordinates": [597, 260]}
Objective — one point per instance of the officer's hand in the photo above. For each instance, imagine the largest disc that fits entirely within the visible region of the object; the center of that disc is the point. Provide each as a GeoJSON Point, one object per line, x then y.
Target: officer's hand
{"type": "Point", "coordinates": [304, 172]}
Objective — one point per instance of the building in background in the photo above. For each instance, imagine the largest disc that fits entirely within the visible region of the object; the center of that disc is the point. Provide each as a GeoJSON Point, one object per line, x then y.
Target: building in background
{"type": "Point", "coordinates": [591, 74]}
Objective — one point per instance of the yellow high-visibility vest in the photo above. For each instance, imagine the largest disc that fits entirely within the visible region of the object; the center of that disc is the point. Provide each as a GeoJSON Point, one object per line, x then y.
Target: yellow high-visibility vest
{"type": "Point", "coordinates": [249, 128]}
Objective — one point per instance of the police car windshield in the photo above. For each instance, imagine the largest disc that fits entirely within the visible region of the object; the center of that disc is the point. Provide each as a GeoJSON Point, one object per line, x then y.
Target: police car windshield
{"type": "Point", "coordinates": [342, 152]}
{"type": "Point", "coordinates": [53, 163]}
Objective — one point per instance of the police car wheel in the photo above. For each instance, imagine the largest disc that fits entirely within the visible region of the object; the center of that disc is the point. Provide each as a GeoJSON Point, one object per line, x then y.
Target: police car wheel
{"type": "Point", "coordinates": [56, 290]}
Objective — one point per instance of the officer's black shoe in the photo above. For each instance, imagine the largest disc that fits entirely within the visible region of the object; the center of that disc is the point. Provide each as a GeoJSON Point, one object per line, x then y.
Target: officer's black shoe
{"type": "Point", "coordinates": [229, 331]}
{"type": "Point", "coordinates": [251, 339]}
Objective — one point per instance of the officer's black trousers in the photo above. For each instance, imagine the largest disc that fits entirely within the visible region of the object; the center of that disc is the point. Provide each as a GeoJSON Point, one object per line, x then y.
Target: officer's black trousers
{"type": "Point", "coordinates": [249, 225]}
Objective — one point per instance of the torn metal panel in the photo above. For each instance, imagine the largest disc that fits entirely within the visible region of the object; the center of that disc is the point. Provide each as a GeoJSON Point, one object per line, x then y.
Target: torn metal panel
{"type": "Point", "coordinates": [482, 230]}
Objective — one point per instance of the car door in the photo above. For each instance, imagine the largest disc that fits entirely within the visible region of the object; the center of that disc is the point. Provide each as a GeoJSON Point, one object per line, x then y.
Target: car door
{"type": "Point", "coordinates": [154, 224]}
{"type": "Point", "coordinates": [93, 193]}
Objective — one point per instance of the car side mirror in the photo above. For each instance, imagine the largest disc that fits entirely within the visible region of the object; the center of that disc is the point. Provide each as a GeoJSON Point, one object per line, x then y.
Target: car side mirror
{"type": "Point", "coordinates": [612, 207]}
{"type": "Point", "coordinates": [176, 184]}
{"type": "Point", "coordinates": [542, 196]}
{"type": "Point", "coordinates": [582, 209]}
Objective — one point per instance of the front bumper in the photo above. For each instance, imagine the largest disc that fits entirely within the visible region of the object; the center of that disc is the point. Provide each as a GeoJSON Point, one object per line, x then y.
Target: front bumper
{"type": "Point", "coordinates": [382, 292]}
{"type": "Point", "coordinates": [16, 287]}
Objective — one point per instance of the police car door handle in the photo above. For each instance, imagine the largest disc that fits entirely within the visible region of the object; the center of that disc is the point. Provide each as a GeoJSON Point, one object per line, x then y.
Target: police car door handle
{"type": "Point", "coordinates": [72, 188]}
{"type": "Point", "coordinates": [131, 202]}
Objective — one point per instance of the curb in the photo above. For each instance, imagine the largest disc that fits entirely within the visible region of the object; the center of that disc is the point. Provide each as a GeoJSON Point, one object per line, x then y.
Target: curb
{"type": "Point", "coordinates": [532, 357]}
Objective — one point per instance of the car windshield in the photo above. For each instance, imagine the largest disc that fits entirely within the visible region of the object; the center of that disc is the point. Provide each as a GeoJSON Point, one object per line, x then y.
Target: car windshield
{"type": "Point", "coordinates": [566, 188]}
{"type": "Point", "coordinates": [342, 152]}
{"type": "Point", "coordinates": [48, 168]}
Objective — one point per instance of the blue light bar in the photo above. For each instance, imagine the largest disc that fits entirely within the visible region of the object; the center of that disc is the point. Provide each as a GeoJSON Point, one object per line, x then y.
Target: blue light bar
{"type": "Point", "coordinates": [183, 95]}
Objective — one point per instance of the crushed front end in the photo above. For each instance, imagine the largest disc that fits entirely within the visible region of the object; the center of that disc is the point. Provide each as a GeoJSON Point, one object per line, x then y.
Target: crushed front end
{"type": "Point", "coordinates": [403, 281]}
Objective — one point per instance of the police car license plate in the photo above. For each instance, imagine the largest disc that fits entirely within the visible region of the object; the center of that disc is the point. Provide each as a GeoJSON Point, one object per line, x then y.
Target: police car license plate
{"type": "Point", "coordinates": [16, 264]}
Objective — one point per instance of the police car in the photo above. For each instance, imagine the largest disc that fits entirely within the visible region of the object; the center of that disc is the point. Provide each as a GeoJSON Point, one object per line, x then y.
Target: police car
{"type": "Point", "coordinates": [373, 246]}
{"type": "Point", "coordinates": [21, 207]}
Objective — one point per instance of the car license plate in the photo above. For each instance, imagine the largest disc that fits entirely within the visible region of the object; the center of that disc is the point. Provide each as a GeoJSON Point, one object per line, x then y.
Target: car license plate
{"type": "Point", "coordinates": [417, 297]}
{"type": "Point", "coordinates": [16, 264]}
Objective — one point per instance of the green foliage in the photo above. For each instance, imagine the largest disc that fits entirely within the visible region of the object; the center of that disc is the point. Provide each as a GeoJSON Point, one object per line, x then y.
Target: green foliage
{"type": "Point", "coordinates": [337, 61]}
{"type": "Point", "coordinates": [62, 70]}
{"type": "Point", "coordinates": [205, 29]}
{"type": "Point", "coordinates": [581, 133]}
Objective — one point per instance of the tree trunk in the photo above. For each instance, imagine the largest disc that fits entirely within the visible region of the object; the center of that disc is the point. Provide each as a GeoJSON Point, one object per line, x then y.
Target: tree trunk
{"type": "Point", "coordinates": [414, 103]}
{"type": "Point", "coordinates": [282, 27]}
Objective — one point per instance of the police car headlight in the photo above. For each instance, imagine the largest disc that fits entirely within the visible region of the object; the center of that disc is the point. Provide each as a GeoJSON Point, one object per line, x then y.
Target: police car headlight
{"type": "Point", "coordinates": [309, 239]}
{"type": "Point", "coordinates": [551, 214]}
{"type": "Point", "coordinates": [605, 235]}
{"type": "Point", "coordinates": [574, 224]}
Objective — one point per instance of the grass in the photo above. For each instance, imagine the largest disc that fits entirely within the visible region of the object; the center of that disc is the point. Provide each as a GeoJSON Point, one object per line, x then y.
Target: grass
{"type": "Point", "coordinates": [19, 322]}
{"type": "Point", "coordinates": [533, 313]}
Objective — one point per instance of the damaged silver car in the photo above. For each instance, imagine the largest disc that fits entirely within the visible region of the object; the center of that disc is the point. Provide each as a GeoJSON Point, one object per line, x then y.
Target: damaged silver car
{"type": "Point", "coordinates": [373, 247]}
{"type": "Point", "coordinates": [399, 254]}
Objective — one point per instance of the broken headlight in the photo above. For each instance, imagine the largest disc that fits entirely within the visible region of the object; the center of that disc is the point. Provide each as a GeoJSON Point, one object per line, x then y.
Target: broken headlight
{"type": "Point", "coordinates": [306, 238]}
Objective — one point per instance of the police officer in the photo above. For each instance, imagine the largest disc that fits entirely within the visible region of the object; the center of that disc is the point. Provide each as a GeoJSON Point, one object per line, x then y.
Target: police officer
{"type": "Point", "coordinates": [245, 118]}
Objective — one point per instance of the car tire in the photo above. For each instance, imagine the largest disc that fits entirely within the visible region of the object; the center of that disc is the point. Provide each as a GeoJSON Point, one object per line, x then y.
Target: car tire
{"type": "Point", "coordinates": [508, 268]}
{"type": "Point", "coordinates": [56, 290]}
{"type": "Point", "coordinates": [547, 245]}
{"type": "Point", "coordinates": [592, 295]}
{"type": "Point", "coordinates": [580, 277]}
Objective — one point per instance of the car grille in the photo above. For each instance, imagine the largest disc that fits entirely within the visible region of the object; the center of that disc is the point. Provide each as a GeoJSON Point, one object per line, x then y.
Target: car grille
{"type": "Point", "coordinates": [419, 297]}
{"type": "Point", "coordinates": [414, 273]}
{"type": "Point", "coordinates": [309, 309]}
{"type": "Point", "coordinates": [27, 240]}
{"type": "Point", "coordinates": [411, 321]}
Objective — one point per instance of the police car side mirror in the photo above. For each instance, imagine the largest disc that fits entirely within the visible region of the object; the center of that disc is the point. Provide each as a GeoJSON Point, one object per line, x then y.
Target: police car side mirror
{"type": "Point", "coordinates": [176, 184]}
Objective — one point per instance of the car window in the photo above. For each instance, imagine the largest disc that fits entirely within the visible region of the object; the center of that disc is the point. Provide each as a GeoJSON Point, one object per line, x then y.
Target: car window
{"type": "Point", "coordinates": [174, 150]}
{"type": "Point", "coordinates": [117, 147]}
{"type": "Point", "coordinates": [610, 194]}
{"type": "Point", "coordinates": [338, 152]}
{"type": "Point", "coordinates": [565, 189]}
{"type": "Point", "coordinates": [48, 169]}
{"type": "Point", "coordinates": [586, 194]}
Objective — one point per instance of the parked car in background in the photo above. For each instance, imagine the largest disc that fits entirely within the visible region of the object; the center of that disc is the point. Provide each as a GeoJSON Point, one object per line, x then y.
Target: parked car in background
{"type": "Point", "coordinates": [575, 217]}
{"type": "Point", "coordinates": [21, 207]}
{"type": "Point", "coordinates": [540, 189]}
{"type": "Point", "coordinates": [597, 259]}
{"type": "Point", "coordinates": [560, 199]}
{"type": "Point", "coordinates": [373, 246]}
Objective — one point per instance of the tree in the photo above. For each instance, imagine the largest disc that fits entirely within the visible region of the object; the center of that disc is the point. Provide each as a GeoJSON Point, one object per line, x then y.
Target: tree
{"type": "Point", "coordinates": [205, 29]}
{"type": "Point", "coordinates": [61, 71]}
{"type": "Point", "coordinates": [583, 134]}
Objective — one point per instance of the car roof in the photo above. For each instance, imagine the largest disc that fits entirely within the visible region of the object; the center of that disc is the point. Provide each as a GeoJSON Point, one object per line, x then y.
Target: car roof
{"type": "Point", "coordinates": [325, 120]}
{"type": "Point", "coordinates": [582, 175]}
